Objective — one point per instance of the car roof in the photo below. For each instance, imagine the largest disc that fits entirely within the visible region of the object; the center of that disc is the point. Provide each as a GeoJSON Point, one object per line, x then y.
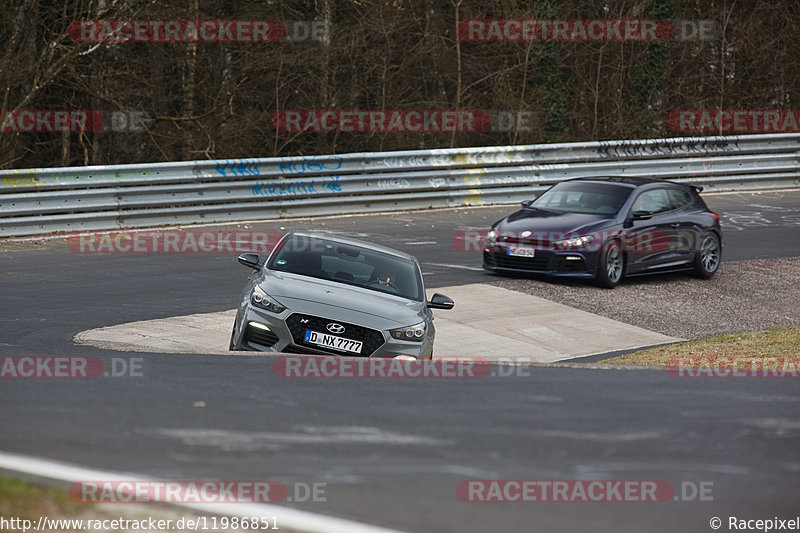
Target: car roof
{"type": "Point", "coordinates": [630, 181]}
{"type": "Point", "coordinates": [354, 242]}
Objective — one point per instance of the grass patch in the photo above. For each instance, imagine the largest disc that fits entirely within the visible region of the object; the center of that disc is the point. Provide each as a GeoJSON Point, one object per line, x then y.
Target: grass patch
{"type": "Point", "coordinates": [28, 501]}
{"type": "Point", "coordinates": [743, 350]}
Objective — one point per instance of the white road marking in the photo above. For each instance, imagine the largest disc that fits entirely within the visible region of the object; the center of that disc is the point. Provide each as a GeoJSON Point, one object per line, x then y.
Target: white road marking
{"type": "Point", "coordinates": [292, 519]}
{"type": "Point", "coordinates": [462, 267]}
{"type": "Point", "coordinates": [228, 440]}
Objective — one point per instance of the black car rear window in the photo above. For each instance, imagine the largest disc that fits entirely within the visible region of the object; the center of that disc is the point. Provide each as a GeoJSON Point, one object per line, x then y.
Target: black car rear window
{"type": "Point", "coordinates": [679, 198]}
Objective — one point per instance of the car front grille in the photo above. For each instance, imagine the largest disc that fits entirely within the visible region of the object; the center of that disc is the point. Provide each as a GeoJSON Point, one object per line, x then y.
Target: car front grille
{"type": "Point", "coordinates": [538, 263]}
{"type": "Point", "coordinates": [535, 242]}
{"type": "Point", "coordinates": [298, 324]}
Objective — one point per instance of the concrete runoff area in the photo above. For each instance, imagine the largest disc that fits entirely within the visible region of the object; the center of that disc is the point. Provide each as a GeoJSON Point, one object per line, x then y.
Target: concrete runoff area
{"type": "Point", "coordinates": [487, 321]}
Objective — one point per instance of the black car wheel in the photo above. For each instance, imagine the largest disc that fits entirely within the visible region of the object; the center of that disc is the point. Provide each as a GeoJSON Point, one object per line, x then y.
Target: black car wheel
{"type": "Point", "coordinates": [610, 266]}
{"type": "Point", "coordinates": [231, 347]}
{"type": "Point", "coordinates": [707, 258]}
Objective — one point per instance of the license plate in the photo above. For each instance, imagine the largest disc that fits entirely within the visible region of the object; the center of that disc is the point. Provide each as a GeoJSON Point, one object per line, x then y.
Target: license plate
{"type": "Point", "coordinates": [518, 251]}
{"type": "Point", "coordinates": [333, 341]}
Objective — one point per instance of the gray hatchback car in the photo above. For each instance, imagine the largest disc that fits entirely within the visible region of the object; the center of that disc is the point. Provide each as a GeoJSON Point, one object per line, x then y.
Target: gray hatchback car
{"type": "Point", "coordinates": [318, 294]}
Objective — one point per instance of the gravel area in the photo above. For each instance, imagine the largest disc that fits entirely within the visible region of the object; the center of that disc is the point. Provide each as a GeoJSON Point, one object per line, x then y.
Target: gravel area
{"type": "Point", "coordinates": [743, 296]}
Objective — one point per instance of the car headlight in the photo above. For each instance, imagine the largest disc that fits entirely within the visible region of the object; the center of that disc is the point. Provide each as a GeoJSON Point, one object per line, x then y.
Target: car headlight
{"type": "Point", "coordinates": [491, 238]}
{"type": "Point", "coordinates": [262, 300]}
{"type": "Point", "coordinates": [574, 242]}
{"type": "Point", "coordinates": [410, 333]}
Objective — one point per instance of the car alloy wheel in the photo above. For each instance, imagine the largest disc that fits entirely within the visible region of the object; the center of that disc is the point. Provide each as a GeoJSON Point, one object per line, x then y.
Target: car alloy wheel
{"type": "Point", "coordinates": [708, 255]}
{"type": "Point", "coordinates": [611, 265]}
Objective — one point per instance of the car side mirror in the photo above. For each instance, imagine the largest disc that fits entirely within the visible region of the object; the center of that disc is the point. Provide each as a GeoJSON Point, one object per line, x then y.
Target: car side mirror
{"type": "Point", "coordinates": [250, 260]}
{"type": "Point", "coordinates": [440, 301]}
{"type": "Point", "coordinates": [641, 214]}
{"type": "Point", "coordinates": [526, 203]}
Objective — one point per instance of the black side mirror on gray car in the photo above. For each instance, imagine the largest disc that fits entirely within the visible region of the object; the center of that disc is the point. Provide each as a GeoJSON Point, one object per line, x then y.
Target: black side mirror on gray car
{"type": "Point", "coordinates": [440, 301]}
{"type": "Point", "coordinates": [250, 260]}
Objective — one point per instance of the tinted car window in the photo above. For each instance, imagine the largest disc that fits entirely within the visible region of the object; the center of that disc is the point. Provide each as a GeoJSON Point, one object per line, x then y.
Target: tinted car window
{"type": "Point", "coordinates": [589, 198]}
{"type": "Point", "coordinates": [351, 265]}
{"type": "Point", "coordinates": [679, 198]}
{"type": "Point", "coordinates": [654, 201]}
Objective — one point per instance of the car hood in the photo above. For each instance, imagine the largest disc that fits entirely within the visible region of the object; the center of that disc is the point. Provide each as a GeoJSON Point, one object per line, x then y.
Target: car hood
{"type": "Point", "coordinates": [537, 220]}
{"type": "Point", "coordinates": [304, 294]}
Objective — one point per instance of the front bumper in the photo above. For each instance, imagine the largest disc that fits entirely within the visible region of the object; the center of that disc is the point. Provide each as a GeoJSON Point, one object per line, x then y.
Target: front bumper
{"type": "Point", "coordinates": [259, 330]}
{"type": "Point", "coordinates": [551, 263]}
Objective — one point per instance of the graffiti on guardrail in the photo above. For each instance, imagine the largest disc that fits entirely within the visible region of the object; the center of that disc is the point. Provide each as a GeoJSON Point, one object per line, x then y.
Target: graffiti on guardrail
{"type": "Point", "coordinates": [296, 188]}
{"type": "Point", "coordinates": [445, 158]}
{"type": "Point", "coordinates": [237, 167]}
{"type": "Point", "coordinates": [34, 181]}
{"type": "Point", "coordinates": [477, 179]}
{"type": "Point", "coordinates": [302, 165]}
{"type": "Point", "coordinates": [393, 184]}
{"type": "Point", "coordinates": [26, 181]}
{"type": "Point", "coordinates": [291, 189]}
{"type": "Point", "coordinates": [415, 178]}
{"type": "Point", "coordinates": [332, 184]}
{"type": "Point", "coordinates": [490, 157]}
{"type": "Point", "coordinates": [408, 162]}
{"type": "Point", "coordinates": [610, 149]}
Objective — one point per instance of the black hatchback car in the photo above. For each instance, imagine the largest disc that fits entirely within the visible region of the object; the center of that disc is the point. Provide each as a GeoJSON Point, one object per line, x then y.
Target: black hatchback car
{"type": "Point", "coordinates": [607, 228]}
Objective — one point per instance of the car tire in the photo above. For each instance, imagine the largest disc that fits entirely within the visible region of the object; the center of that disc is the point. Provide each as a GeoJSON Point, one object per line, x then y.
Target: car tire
{"type": "Point", "coordinates": [708, 256]}
{"type": "Point", "coordinates": [231, 347]}
{"type": "Point", "coordinates": [610, 265]}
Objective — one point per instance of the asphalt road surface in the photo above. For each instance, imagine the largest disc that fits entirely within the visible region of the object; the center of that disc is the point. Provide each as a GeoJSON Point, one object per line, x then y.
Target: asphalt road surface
{"type": "Point", "coordinates": [391, 452]}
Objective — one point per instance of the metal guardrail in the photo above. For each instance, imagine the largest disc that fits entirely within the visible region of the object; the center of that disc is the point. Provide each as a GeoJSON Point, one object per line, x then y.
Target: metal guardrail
{"type": "Point", "coordinates": [71, 199]}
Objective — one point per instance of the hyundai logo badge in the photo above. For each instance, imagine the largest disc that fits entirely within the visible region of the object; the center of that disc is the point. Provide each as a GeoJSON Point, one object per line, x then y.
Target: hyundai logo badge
{"type": "Point", "coordinates": [333, 327]}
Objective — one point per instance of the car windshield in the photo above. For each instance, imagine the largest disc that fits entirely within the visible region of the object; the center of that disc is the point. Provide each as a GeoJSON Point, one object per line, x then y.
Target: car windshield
{"type": "Point", "coordinates": [349, 264]}
{"type": "Point", "coordinates": [588, 198]}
